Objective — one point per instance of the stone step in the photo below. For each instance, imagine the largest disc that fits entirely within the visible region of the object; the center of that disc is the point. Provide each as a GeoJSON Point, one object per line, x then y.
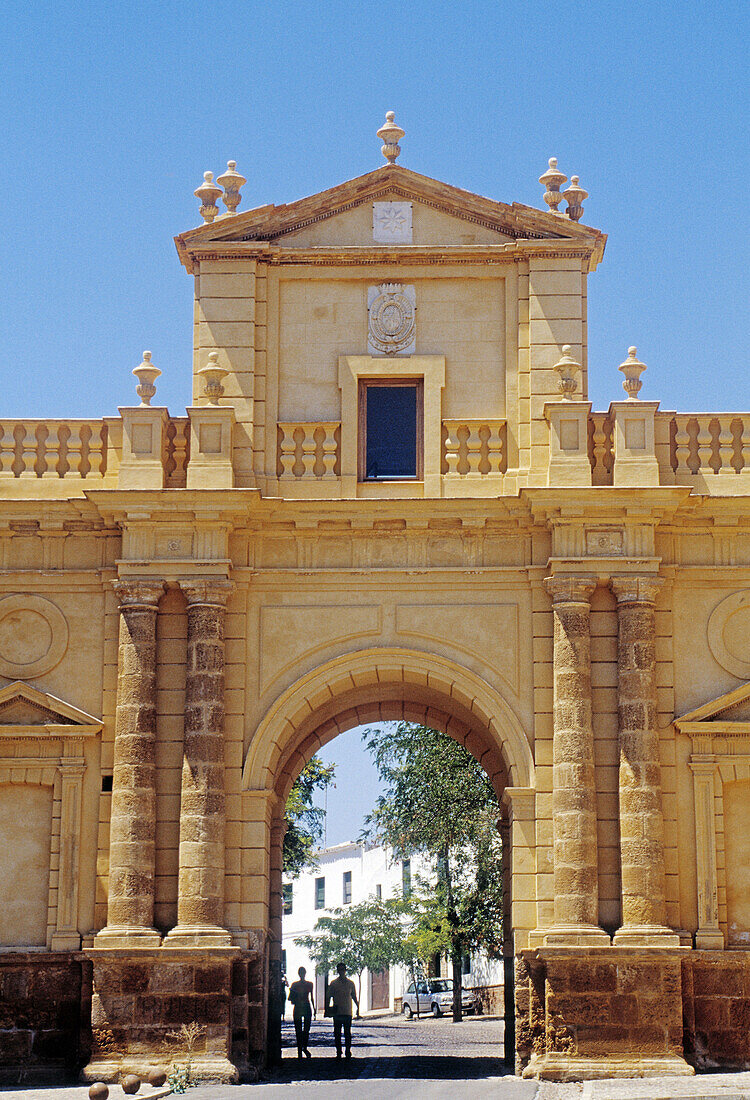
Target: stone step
{"type": "Point", "coordinates": [705, 1086]}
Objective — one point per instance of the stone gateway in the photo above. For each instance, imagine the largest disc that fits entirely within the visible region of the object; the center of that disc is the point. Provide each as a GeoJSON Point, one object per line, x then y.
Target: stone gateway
{"type": "Point", "coordinates": [390, 498]}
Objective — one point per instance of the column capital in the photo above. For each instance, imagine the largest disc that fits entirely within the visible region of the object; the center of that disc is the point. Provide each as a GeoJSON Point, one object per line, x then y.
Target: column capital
{"type": "Point", "coordinates": [207, 591]}
{"type": "Point", "coordinates": [631, 588]}
{"type": "Point", "coordinates": [142, 593]}
{"type": "Point", "coordinates": [566, 588]}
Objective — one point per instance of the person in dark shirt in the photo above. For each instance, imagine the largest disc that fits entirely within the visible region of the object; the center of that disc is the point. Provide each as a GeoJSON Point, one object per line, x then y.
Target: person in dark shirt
{"type": "Point", "coordinates": [302, 997]}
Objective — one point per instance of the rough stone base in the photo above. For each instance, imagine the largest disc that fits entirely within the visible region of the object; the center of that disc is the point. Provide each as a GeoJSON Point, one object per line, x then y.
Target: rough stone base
{"type": "Point", "coordinates": [716, 999]}
{"type": "Point", "coordinates": [592, 1012]}
{"type": "Point", "coordinates": [44, 1005]}
{"type": "Point", "coordinates": [566, 1067]}
{"type": "Point", "coordinates": [142, 997]}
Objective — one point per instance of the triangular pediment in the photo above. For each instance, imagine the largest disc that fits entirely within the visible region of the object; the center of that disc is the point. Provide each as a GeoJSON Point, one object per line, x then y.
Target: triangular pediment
{"type": "Point", "coordinates": [732, 706]}
{"type": "Point", "coordinates": [24, 705]}
{"type": "Point", "coordinates": [279, 224]}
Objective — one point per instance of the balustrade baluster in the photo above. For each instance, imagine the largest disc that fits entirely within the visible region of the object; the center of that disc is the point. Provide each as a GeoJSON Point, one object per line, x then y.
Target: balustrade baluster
{"type": "Point", "coordinates": [495, 450]}
{"type": "Point", "coordinates": [288, 449]}
{"type": "Point", "coordinates": [682, 446]}
{"type": "Point", "coordinates": [452, 448]}
{"type": "Point", "coordinates": [309, 449]}
{"type": "Point", "coordinates": [74, 451]}
{"type": "Point", "coordinates": [51, 451]}
{"type": "Point", "coordinates": [329, 451]}
{"type": "Point", "coordinates": [705, 446]}
{"type": "Point", "coordinates": [745, 444]}
{"type": "Point", "coordinates": [7, 448]}
{"type": "Point", "coordinates": [29, 449]}
{"type": "Point", "coordinates": [726, 446]}
{"type": "Point", "coordinates": [473, 450]}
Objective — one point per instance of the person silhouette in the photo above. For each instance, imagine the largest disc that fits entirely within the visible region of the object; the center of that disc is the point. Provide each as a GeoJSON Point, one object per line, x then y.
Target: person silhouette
{"type": "Point", "coordinates": [301, 995]}
{"type": "Point", "coordinates": [341, 993]}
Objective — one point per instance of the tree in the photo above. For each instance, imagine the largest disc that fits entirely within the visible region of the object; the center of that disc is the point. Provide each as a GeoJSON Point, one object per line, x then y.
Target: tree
{"type": "Point", "coordinates": [305, 820]}
{"type": "Point", "coordinates": [439, 801]}
{"type": "Point", "coordinates": [368, 935]}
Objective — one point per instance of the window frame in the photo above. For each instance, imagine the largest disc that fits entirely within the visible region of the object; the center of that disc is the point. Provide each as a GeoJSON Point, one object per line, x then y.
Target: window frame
{"type": "Point", "coordinates": [365, 384]}
{"type": "Point", "coordinates": [287, 899]}
{"type": "Point", "coordinates": [320, 892]}
{"type": "Point", "coordinates": [346, 881]}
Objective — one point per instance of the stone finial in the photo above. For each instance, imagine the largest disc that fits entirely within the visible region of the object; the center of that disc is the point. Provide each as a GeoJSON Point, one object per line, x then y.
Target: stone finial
{"type": "Point", "coordinates": [208, 193]}
{"type": "Point", "coordinates": [552, 181]}
{"type": "Point", "coordinates": [574, 196]}
{"type": "Point", "coordinates": [567, 368]}
{"type": "Point", "coordinates": [390, 134]}
{"type": "Point", "coordinates": [632, 368]}
{"type": "Point", "coordinates": [231, 181]}
{"type": "Point", "coordinates": [146, 373]}
{"type": "Point", "coordinates": [212, 376]}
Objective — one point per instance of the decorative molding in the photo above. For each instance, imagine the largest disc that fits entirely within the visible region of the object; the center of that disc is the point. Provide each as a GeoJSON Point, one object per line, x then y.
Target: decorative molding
{"type": "Point", "coordinates": [33, 636]}
{"type": "Point", "coordinates": [570, 589]}
{"type": "Point", "coordinates": [53, 755]}
{"type": "Point", "coordinates": [729, 645]}
{"type": "Point", "coordinates": [392, 222]}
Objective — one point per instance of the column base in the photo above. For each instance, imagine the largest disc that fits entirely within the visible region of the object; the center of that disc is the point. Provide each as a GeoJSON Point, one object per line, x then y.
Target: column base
{"type": "Point", "coordinates": [203, 1069]}
{"type": "Point", "coordinates": [575, 935]}
{"type": "Point", "coordinates": [573, 1067]}
{"type": "Point", "coordinates": [645, 935]}
{"type": "Point", "coordinates": [709, 940]}
{"type": "Point", "coordinates": [198, 935]}
{"type": "Point", "coordinates": [126, 935]}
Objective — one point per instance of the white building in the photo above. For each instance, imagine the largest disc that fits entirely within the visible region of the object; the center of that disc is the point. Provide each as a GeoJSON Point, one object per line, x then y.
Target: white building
{"type": "Point", "coordinates": [348, 874]}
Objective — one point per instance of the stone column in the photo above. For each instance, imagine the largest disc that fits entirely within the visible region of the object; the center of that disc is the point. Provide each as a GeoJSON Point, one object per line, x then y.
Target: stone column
{"type": "Point", "coordinates": [200, 900]}
{"type": "Point", "coordinates": [573, 778]}
{"type": "Point", "coordinates": [132, 831]}
{"type": "Point", "coordinates": [641, 827]}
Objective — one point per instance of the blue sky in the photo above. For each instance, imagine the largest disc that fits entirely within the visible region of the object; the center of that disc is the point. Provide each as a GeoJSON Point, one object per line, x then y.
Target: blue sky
{"type": "Point", "coordinates": [112, 112]}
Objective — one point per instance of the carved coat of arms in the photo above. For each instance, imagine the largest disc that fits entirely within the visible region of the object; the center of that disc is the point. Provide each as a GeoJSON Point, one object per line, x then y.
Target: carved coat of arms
{"type": "Point", "coordinates": [392, 326]}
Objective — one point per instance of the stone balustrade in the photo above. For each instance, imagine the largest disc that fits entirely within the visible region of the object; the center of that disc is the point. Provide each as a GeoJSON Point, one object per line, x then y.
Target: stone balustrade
{"type": "Point", "coordinates": [53, 449]}
{"type": "Point", "coordinates": [309, 449]}
{"type": "Point", "coordinates": [474, 448]}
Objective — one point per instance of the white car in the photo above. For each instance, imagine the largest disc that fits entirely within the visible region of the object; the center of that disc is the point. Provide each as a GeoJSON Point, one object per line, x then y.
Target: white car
{"type": "Point", "coordinates": [434, 996]}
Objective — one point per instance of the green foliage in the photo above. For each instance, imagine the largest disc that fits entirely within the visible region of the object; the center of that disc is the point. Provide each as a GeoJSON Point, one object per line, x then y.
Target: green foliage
{"type": "Point", "coordinates": [439, 801]}
{"type": "Point", "coordinates": [305, 820]}
{"type": "Point", "coordinates": [436, 792]}
{"type": "Point", "coordinates": [368, 935]}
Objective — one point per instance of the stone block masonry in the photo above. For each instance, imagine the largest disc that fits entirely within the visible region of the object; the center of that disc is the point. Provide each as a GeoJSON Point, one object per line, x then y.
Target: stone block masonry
{"type": "Point", "coordinates": [716, 995]}
{"type": "Point", "coordinates": [44, 1006]}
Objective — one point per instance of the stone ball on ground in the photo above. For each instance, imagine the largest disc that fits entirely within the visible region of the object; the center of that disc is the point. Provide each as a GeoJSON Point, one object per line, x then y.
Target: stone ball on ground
{"type": "Point", "coordinates": [156, 1077]}
{"type": "Point", "coordinates": [130, 1084]}
{"type": "Point", "coordinates": [98, 1091]}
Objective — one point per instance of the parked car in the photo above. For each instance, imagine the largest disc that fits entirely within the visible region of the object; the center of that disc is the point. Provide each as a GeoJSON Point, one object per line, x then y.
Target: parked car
{"type": "Point", "coordinates": [434, 996]}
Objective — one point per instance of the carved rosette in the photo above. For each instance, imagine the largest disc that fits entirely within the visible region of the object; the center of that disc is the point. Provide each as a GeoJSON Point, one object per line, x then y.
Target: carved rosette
{"type": "Point", "coordinates": [392, 324]}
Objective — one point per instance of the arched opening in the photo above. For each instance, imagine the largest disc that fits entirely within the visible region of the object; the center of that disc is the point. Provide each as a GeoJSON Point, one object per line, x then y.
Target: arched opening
{"type": "Point", "coordinates": [369, 687]}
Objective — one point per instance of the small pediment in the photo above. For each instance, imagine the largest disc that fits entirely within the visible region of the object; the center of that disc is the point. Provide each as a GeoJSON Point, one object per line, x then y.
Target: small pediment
{"type": "Point", "coordinates": [22, 705]}
{"type": "Point", "coordinates": [729, 708]}
{"type": "Point", "coordinates": [341, 216]}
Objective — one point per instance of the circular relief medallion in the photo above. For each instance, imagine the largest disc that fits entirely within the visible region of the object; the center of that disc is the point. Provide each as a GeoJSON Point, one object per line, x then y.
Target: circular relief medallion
{"type": "Point", "coordinates": [33, 636]}
{"type": "Point", "coordinates": [729, 634]}
{"type": "Point", "coordinates": [392, 319]}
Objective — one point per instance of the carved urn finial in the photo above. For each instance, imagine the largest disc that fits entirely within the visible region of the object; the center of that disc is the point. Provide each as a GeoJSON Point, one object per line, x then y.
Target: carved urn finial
{"type": "Point", "coordinates": [552, 181]}
{"type": "Point", "coordinates": [212, 376]}
{"type": "Point", "coordinates": [390, 134]}
{"type": "Point", "coordinates": [567, 367]}
{"type": "Point", "coordinates": [208, 193]}
{"type": "Point", "coordinates": [146, 373]}
{"type": "Point", "coordinates": [574, 196]}
{"type": "Point", "coordinates": [231, 181]}
{"type": "Point", "coordinates": [632, 368]}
